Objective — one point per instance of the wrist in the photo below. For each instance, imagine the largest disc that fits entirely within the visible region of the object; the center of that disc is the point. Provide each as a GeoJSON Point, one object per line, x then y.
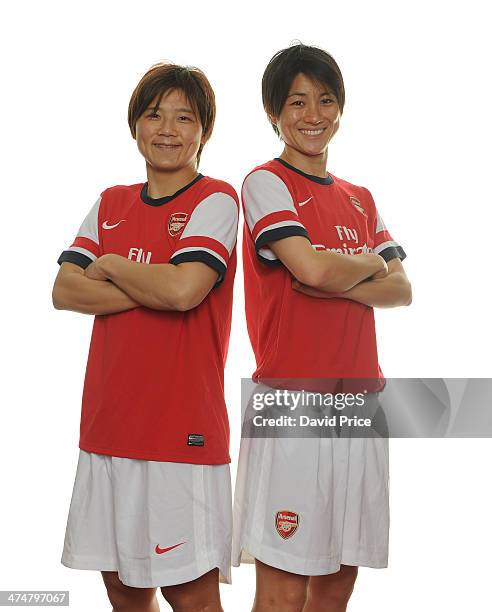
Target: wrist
{"type": "Point", "coordinates": [383, 266]}
{"type": "Point", "coordinates": [382, 270]}
{"type": "Point", "coordinates": [105, 264]}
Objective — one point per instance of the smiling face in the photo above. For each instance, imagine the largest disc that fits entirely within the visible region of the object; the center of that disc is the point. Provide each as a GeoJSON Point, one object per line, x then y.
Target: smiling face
{"type": "Point", "coordinates": [309, 117]}
{"type": "Point", "coordinates": [169, 136]}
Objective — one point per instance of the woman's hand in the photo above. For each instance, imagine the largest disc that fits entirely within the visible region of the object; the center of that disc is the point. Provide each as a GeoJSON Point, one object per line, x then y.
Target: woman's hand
{"type": "Point", "coordinates": [94, 270]}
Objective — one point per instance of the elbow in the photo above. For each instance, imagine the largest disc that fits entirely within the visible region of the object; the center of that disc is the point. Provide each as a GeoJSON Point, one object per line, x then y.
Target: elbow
{"type": "Point", "coordinates": [55, 302]}
{"type": "Point", "coordinates": [57, 299]}
{"type": "Point", "coordinates": [310, 276]}
{"type": "Point", "coordinates": [403, 296]}
{"type": "Point", "coordinates": [181, 299]}
{"type": "Point", "coordinates": [65, 299]}
{"type": "Point", "coordinates": [408, 295]}
{"type": "Point", "coordinates": [187, 302]}
{"type": "Point", "coordinates": [183, 303]}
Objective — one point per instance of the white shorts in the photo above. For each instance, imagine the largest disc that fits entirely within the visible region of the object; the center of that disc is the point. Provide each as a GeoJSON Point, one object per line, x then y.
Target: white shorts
{"type": "Point", "coordinates": [155, 523]}
{"type": "Point", "coordinates": [309, 505]}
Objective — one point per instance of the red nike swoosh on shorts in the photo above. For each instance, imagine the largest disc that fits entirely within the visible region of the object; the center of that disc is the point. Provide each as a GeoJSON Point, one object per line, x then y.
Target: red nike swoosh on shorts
{"type": "Point", "coordinates": [159, 551]}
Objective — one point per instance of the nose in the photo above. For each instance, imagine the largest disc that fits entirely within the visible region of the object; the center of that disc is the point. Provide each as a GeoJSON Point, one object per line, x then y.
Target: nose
{"type": "Point", "coordinates": [312, 114]}
{"type": "Point", "coordinates": [167, 126]}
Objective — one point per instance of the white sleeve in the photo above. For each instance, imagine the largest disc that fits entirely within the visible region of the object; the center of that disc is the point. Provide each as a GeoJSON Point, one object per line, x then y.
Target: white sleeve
{"type": "Point", "coordinates": [210, 234]}
{"type": "Point", "coordinates": [85, 248]}
{"type": "Point", "coordinates": [269, 212]}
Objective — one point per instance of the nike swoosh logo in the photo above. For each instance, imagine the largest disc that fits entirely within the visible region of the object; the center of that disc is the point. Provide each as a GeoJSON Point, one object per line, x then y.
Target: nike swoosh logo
{"type": "Point", "coordinates": [305, 201]}
{"type": "Point", "coordinates": [106, 226]}
{"type": "Point", "coordinates": [160, 551]}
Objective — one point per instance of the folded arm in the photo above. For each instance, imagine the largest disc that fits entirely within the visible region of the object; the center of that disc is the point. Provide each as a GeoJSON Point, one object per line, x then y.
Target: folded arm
{"type": "Point", "coordinates": [326, 270]}
{"type": "Point", "coordinates": [73, 290]}
{"type": "Point", "coordinates": [157, 286]}
{"type": "Point", "coordinates": [389, 291]}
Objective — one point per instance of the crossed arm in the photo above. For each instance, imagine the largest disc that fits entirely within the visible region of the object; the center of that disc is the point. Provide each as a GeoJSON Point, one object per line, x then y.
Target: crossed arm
{"type": "Point", "coordinates": [114, 284]}
{"type": "Point", "coordinates": [364, 278]}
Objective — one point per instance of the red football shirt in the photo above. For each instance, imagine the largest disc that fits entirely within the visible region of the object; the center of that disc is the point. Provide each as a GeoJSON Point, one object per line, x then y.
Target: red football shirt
{"type": "Point", "coordinates": [154, 385]}
{"type": "Point", "coordinates": [295, 336]}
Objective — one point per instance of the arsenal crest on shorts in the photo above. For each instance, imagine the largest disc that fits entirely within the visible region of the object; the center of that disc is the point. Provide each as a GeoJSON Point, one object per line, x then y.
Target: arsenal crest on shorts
{"type": "Point", "coordinates": [176, 223]}
{"type": "Point", "coordinates": [286, 523]}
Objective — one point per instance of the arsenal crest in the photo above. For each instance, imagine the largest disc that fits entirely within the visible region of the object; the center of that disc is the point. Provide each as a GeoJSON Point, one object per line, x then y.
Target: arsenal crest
{"type": "Point", "coordinates": [176, 223]}
{"type": "Point", "coordinates": [286, 523]}
{"type": "Point", "coordinates": [357, 204]}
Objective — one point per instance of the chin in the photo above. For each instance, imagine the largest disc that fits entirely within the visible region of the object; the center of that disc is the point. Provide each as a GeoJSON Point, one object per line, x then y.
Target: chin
{"type": "Point", "coordinates": [312, 152]}
{"type": "Point", "coordinates": [166, 167]}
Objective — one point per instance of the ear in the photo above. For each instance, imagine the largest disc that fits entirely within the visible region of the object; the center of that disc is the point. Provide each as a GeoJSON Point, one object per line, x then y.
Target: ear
{"type": "Point", "coordinates": [272, 119]}
{"type": "Point", "coordinates": [204, 138]}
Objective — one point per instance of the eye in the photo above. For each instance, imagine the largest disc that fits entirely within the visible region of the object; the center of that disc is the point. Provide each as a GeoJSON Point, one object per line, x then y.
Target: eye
{"type": "Point", "coordinates": [184, 118]}
{"type": "Point", "coordinates": [297, 103]}
{"type": "Point", "coordinates": [327, 101]}
{"type": "Point", "coordinates": [153, 115]}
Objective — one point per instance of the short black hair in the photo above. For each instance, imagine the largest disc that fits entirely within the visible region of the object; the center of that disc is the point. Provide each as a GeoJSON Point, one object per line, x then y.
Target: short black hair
{"type": "Point", "coordinates": [286, 64]}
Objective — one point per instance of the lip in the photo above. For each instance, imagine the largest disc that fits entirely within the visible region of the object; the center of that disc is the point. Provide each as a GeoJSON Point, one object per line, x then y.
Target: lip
{"type": "Point", "coordinates": [310, 133]}
{"type": "Point", "coordinates": [164, 146]}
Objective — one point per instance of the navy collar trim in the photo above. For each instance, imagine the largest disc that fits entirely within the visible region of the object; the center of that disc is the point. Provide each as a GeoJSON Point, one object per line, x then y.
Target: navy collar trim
{"type": "Point", "coordinates": [164, 200]}
{"type": "Point", "coordinates": [317, 179]}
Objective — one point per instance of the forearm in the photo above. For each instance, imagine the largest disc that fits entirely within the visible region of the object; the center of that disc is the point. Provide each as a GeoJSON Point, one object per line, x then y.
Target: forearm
{"type": "Point", "coordinates": [340, 273]}
{"type": "Point", "coordinates": [156, 286]}
{"type": "Point", "coordinates": [389, 292]}
{"type": "Point", "coordinates": [81, 294]}
{"type": "Point", "coordinates": [325, 270]}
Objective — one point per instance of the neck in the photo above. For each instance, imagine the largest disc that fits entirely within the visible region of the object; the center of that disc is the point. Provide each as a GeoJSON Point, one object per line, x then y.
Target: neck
{"type": "Point", "coordinates": [163, 183]}
{"type": "Point", "coordinates": [310, 164]}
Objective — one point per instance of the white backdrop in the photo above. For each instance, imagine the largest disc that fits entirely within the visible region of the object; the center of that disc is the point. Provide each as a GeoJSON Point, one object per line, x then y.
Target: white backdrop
{"type": "Point", "coordinates": [416, 131]}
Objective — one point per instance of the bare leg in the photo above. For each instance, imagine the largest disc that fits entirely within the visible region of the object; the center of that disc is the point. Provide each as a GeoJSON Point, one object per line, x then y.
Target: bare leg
{"type": "Point", "coordinates": [331, 593]}
{"type": "Point", "coordinates": [129, 599]}
{"type": "Point", "coordinates": [200, 595]}
{"type": "Point", "coordinates": [278, 591]}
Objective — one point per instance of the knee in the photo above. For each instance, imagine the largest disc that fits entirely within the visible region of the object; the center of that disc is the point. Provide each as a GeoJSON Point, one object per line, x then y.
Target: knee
{"type": "Point", "coordinates": [199, 595]}
{"type": "Point", "coordinates": [190, 602]}
{"type": "Point", "coordinates": [123, 597]}
{"type": "Point", "coordinates": [288, 599]}
{"type": "Point", "coordinates": [335, 591]}
{"type": "Point", "coordinates": [344, 586]}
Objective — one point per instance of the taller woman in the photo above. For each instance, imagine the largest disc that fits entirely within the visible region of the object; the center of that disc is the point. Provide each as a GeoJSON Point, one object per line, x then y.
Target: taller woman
{"type": "Point", "coordinates": [317, 260]}
{"type": "Point", "coordinates": [155, 263]}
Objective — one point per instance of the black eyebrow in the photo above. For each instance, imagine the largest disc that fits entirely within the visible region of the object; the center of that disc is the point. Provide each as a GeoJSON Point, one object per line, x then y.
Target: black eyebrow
{"type": "Point", "coordinates": [326, 93]}
{"type": "Point", "coordinates": [178, 110]}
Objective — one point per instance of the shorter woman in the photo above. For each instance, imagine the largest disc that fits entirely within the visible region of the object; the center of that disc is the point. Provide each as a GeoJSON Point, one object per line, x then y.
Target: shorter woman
{"type": "Point", "coordinates": [155, 263]}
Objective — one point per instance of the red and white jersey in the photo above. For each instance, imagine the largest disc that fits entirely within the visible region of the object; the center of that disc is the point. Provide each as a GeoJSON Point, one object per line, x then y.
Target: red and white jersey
{"type": "Point", "coordinates": [154, 385]}
{"type": "Point", "coordinates": [294, 335]}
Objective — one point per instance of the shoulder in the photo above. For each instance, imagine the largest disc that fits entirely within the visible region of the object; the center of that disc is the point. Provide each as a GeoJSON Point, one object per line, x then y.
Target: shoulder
{"type": "Point", "coordinates": [208, 186]}
{"type": "Point", "coordinates": [270, 170]}
{"type": "Point", "coordinates": [215, 201]}
{"type": "Point", "coordinates": [268, 177]}
{"type": "Point", "coordinates": [122, 191]}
